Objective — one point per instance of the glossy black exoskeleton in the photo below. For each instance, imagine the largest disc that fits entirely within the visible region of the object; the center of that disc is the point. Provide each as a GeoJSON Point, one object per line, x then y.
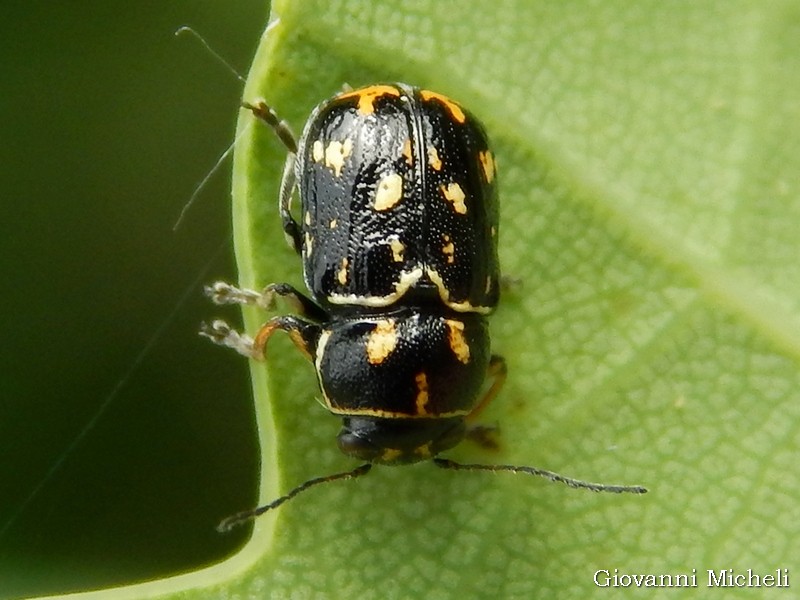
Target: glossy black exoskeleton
{"type": "Point", "coordinates": [397, 229]}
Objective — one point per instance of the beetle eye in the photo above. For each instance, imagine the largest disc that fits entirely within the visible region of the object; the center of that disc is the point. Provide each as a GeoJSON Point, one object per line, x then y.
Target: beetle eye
{"type": "Point", "coordinates": [356, 446]}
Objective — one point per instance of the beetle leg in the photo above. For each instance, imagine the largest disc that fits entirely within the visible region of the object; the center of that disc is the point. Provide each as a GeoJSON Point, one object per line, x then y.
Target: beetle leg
{"type": "Point", "coordinates": [486, 436]}
{"type": "Point", "coordinates": [261, 110]}
{"type": "Point", "coordinates": [222, 334]}
{"type": "Point", "coordinates": [303, 333]}
{"type": "Point", "coordinates": [497, 371]}
{"type": "Point", "coordinates": [291, 230]}
{"type": "Point", "coordinates": [509, 283]}
{"type": "Point", "coordinates": [225, 293]}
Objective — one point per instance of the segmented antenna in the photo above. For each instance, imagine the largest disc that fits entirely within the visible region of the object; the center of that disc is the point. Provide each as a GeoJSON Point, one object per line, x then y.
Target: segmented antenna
{"type": "Point", "coordinates": [246, 515]}
{"type": "Point", "coordinates": [446, 463]}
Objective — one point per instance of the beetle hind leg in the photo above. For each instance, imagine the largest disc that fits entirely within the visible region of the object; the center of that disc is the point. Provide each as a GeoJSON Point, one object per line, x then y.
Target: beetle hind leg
{"type": "Point", "coordinates": [262, 111]}
{"type": "Point", "coordinates": [291, 230]}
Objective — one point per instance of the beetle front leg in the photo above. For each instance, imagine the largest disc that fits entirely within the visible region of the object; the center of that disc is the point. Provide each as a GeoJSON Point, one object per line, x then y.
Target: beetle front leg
{"type": "Point", "coordinates": [497, 371]}
{"type": "Point", "coordinates": [224, 293]}
{"type": "Point", "coordinates": [303, 333]}
{"type": "Point", "coordinates": [486, 436]}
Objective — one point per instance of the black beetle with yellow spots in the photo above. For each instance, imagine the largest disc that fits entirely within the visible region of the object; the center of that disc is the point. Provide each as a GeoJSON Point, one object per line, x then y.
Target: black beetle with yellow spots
{"type": "Point", "coordinates": [398, 226]}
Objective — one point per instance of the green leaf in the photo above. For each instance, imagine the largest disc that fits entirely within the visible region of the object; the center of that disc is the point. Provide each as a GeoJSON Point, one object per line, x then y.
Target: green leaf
{"type": "Point", "coordinates": [648, 157]}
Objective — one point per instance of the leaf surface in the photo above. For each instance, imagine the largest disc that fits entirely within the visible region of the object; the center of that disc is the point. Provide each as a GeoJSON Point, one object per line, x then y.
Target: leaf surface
{"type": "Point", "coordinates": [648, 155]}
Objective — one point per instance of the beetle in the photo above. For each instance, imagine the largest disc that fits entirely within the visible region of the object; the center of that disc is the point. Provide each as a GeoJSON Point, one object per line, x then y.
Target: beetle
{"type": "Point", "coordinates": [397, 234]}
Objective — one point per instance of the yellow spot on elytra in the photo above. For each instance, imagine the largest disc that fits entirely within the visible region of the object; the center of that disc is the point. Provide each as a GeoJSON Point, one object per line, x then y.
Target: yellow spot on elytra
{"type": "Point", "coordinates": [488, 284]}
{"type": "Point", "coordinates": [318, 151]}
{"type": "Point", "coordinates": [406, 152]}
{"type": "Point", "coordinates": [433, 159]}
{"type": "Point", "coordinates": [308, 218]}
{"type": "Point", "coordinates": [444, 294]}
{"type": "Point", "coordinates": [487, 163]}
{"type": "Point", "coordinates": [341, 276]}
{"type": "Point", "coordinates": [422, 393]}
{"type": "Point", "coordinates": [389, 192]}
{"type": "Point", "coordinates": [309, 242]}
{"type": "Point", "coordinates": [458, 343]}
{"type": "Point", "coordinates": [367, 96]}
{"type": "Point", "coordinates": [449, 250]}
{"type": "Point", "coordinates": [397, 249]}
{"type": "Point", "coordinates": [390, 455]}
{"type": "Point", "coordinates": [336, 153]}
{"type": "Point", "coordinates": [381, 342]}
{"type": "Point", "coordinates": [455, 110]}
{"type": "Point", "coordinates": [455, 195]}
{"type": "Point", "coordinates": [333, 224]}
{"type": "Point", "coordinates": [424, 451]}
{"type": "Point", "coordinates": [406, 281]}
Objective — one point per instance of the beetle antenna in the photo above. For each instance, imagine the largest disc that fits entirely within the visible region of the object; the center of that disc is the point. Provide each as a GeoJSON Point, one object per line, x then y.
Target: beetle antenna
{"type": "Point", "coordinates": [445, 463]}
{"type": "Point", "coordinates": [246, 515]}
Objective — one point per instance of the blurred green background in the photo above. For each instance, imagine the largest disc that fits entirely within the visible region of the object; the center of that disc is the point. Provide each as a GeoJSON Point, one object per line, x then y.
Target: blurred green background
{"type": "Point", "coordinates": [108, 123]}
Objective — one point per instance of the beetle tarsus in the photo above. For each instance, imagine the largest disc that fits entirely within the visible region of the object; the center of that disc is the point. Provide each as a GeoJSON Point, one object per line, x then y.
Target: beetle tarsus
{"type": "Point", "coordinates": [222, 334]}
